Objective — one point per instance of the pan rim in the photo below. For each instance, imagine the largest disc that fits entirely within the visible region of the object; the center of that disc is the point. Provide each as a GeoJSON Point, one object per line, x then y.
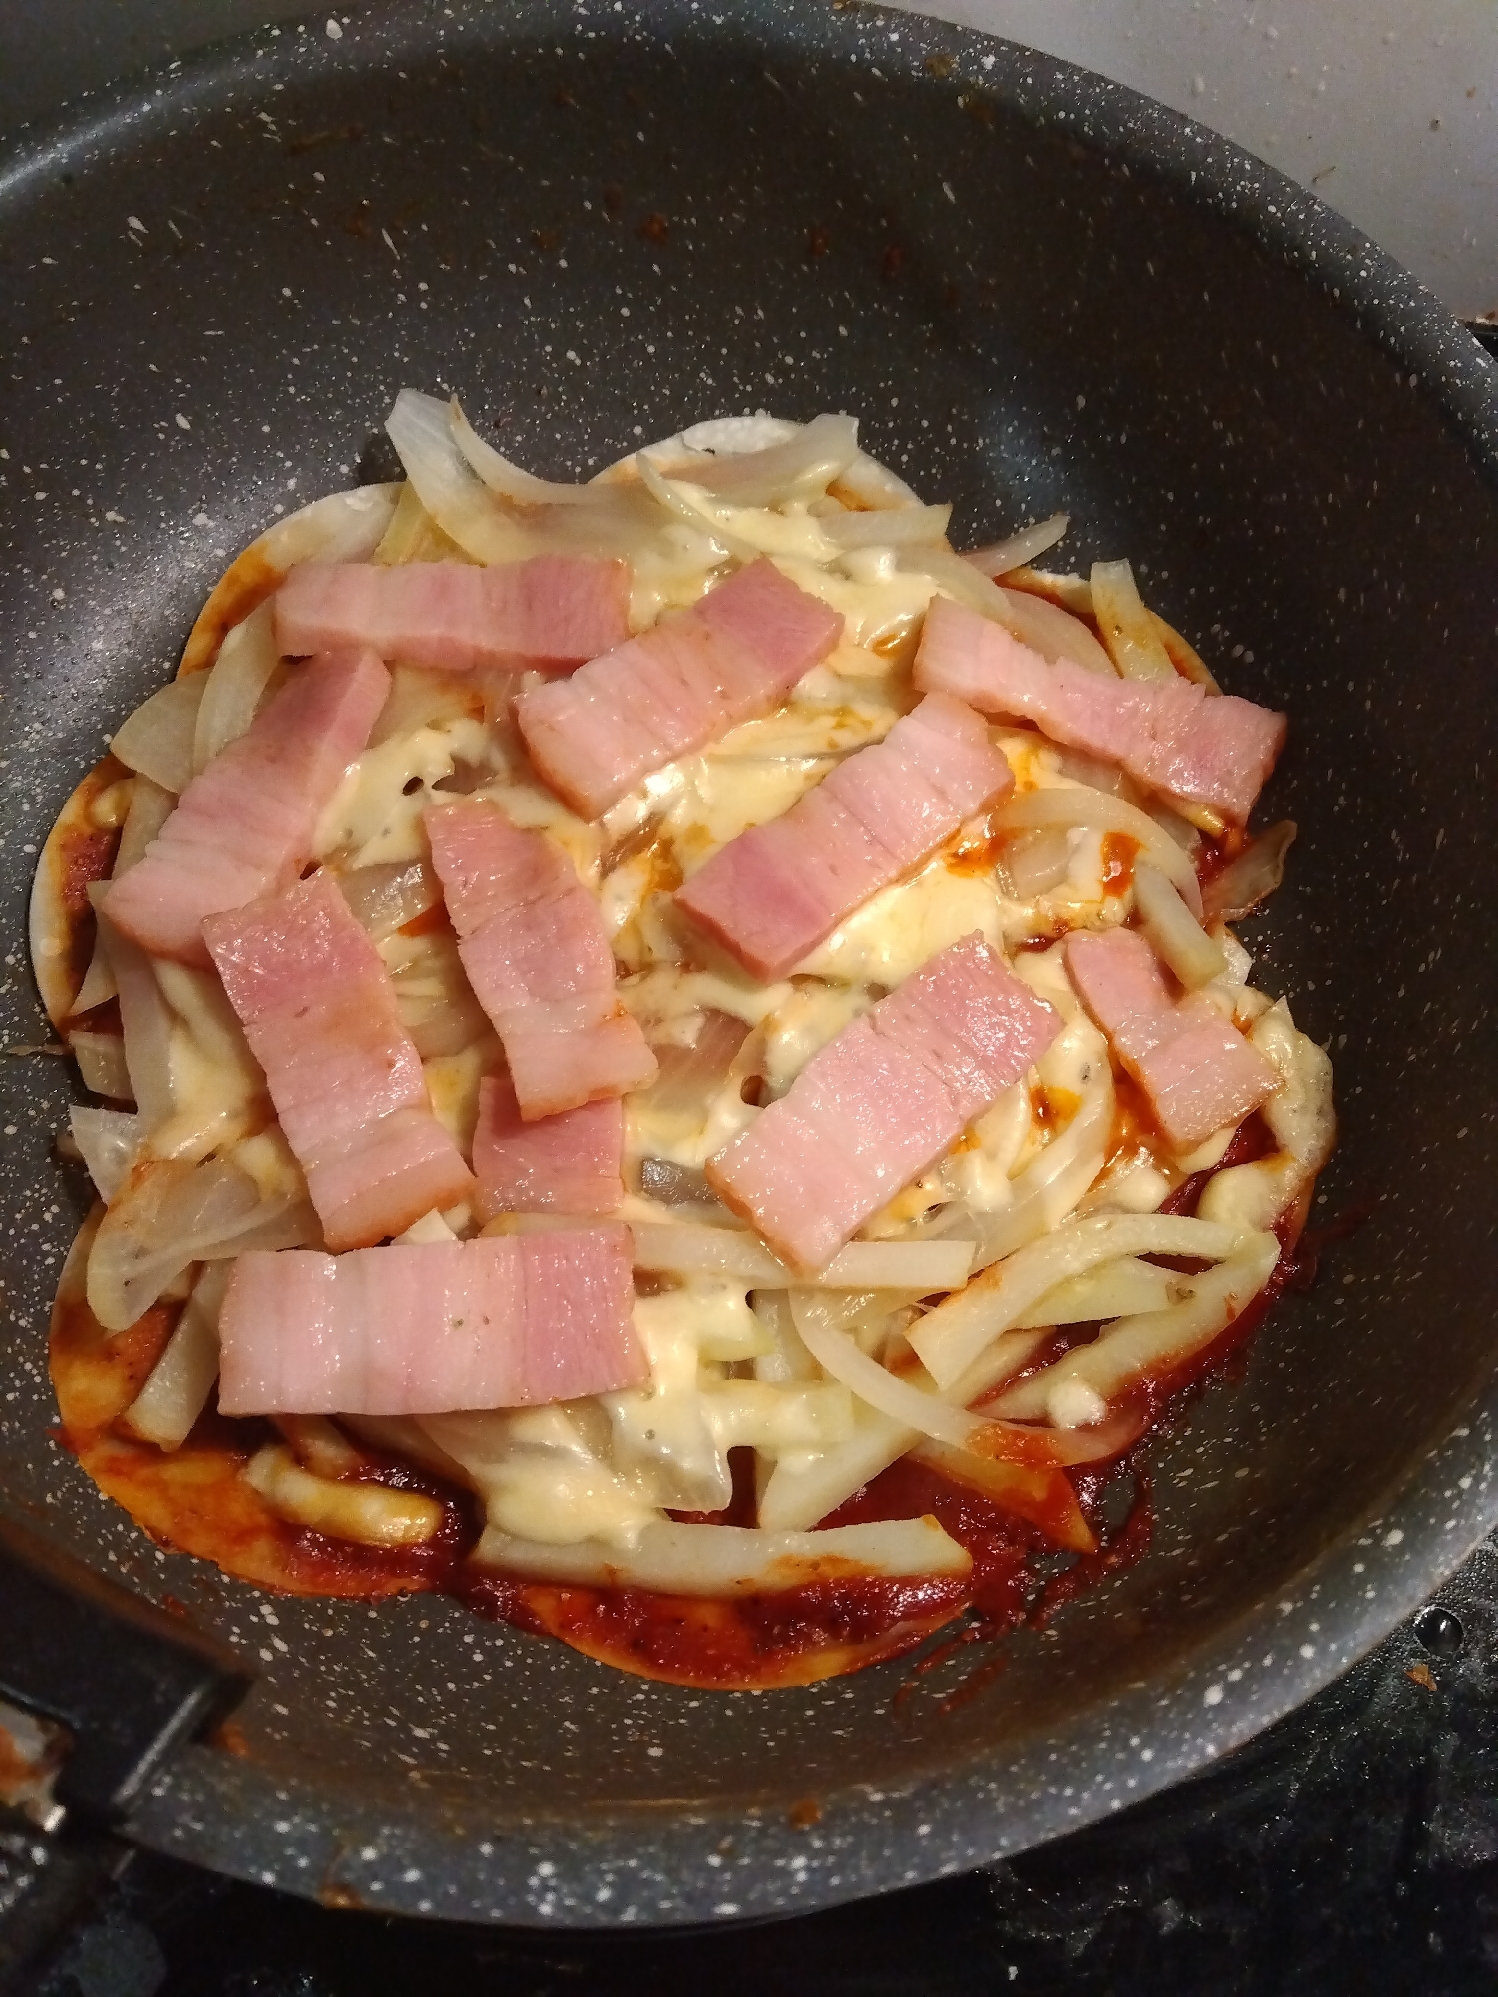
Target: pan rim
{"type": "Point", "coordinates": [869, 1840]}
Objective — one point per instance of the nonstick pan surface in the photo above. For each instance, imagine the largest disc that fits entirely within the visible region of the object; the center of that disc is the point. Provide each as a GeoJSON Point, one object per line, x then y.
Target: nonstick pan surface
{"type": "Point", "coordinates": [1037, 291]}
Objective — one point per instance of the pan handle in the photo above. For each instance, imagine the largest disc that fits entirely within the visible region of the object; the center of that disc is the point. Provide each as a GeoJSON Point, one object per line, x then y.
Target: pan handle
{"type": "Point", "coordinates": [125, 1682]}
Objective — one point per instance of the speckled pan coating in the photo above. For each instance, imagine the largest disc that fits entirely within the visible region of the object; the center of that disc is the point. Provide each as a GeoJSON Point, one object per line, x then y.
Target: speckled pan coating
{"type": "Point", "coordinates": [1038, 291]}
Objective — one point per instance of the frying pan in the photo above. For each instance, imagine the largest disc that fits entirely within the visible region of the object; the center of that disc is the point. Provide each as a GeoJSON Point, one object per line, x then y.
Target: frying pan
{"type": "Point", "coordinates": [1037, 291]}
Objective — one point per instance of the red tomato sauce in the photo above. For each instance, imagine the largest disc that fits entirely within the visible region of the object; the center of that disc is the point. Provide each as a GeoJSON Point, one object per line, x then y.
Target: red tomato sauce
{"type": "Point", "coordinates": [1119, 853]}
{"type": "Point", "coordinates": [792, 1637]}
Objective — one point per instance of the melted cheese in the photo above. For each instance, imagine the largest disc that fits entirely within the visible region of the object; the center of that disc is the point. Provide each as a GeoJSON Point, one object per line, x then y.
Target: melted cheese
{"type": "Point", "coordinates": [673, 1437]}
{"type": "Point", "coordinates": [881, 603]}
{"type": "Point", "coordinates": [809, 1016]}
{"type": "Point", "coordinates": [453, 1080]}
{"type": "Point", "coordinates": [667, 994]}
{"type": "Point", "coordinates": [543, 1478]}
{"type": "Point", "coordinates": [268, 1159]}
{"type": "Point", "coordinates": [980, 1169]}
{"type": "Point", "coordinates": [687, 1139]}
{"type": "Point", "coordinates": [722, 796]}
{"type": "Point", "coordinates": [375, 814]}
{"type": "Point", "coordinates": [900, 928]}
{"type": "Point", "coordinates": [217, 1086]}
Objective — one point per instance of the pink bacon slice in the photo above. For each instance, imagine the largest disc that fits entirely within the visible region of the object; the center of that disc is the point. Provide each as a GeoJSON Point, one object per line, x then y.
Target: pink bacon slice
{"type": "Point", "coordinates": [885, 1099]}
{"type": "Point", "coordinates": [1198, 1070]}
{"type": "Point", "coordinates": [431, 1328]}
{"type": "Point", "coordinates": [319, 1011]}
{"type": "Point", "coordinates": [572, 1163]}
{"type": "Point", "coordinates": [533, 943]}
{"type": "Point", "coordinates": [1170, 735]}
{"type": "Point", "coordinates": [774, 893]}
{"type": "Point", "coordinates": [553, 611]}
{"type": "Point", "coordinates": [244, 826]}
{"type": "Point", "coordinates": [696, 674]}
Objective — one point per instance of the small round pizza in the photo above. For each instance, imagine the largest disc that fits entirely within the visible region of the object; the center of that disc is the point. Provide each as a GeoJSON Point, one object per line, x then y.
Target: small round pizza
{"type": "Point", "coordinates": [666, 1056]}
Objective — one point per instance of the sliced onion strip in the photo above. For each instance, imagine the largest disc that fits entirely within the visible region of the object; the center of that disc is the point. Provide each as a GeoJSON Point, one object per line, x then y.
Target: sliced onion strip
{"type": "Point", "coordinates": [340, 527]}
{"type": "Point", "coordinates": [318, 1444]}
{"type": "Point", "coordinates": [1127, 630]}
{"type": "Point", "coordinates": [1048, 1188]}
{"type": "Point", "coordinates": [1074, 805]}
{"type": "Point", "coordinates": [235, 684]}
{"type": "Point", "coordinates": [520, 488]}
{"type": "Point", "coordinates": [171, 1213]}
{"type": "Point", "coordinates": [420, 427]}
{"type": "Point", "coordinates": [1036, 861]}
{"type": "Point", "coordinates": [1174, 931]}
{"type": "Point", "coordinates": [804, 1488]}
{"type": "Point", "coordinates": [1120, 1288]}
{"type": "Point", "coordinates": [387, 896]}
{"type": "Point", "coordinates": [926, 1413]}
{"type": "Point", "coordinates": [151, 805]}
{"type": "Point", "coordinates": [157, 739]}
{"type": "Point", "coordinates": [1252, 877]}
{"type": "Point", "coordinates": [889, 527]}
{"type": "Point", "coordinates": [690, 1077]}
{"type": "Point", "coordinates": [367, 1513]}
{"type": "Point", "coordinates": [413, 535]}
{"type": "Point", "coordinates": [108, 1141]}
{"type": "Point", "coordinates": [1071, 592]}
{"type": "Point", "coordinates": [1042, 1495]}
{"type": "Point", "coordinates": [177, 1389]}
{"type": "Point", "coordinates": [1052, 632]}
{"type": "Point", "coordinates": [840, 1358]}
{"type": "Point", "coordinates": [102, 1066]}
{"type": "Point", "coordinates": [699, 514]}
{"type": "Point", "coordinates": [997, 558]}
{"type": "Point", "coordinates": [788, 1360]}
{"type": "Point", "coordinates": [867, 483]}
{"type": "Point", "coordinates": [796, 468]}
{"type": "Point", "coordinates": [922, 1266]}
{"type": "Point", "coordinates": [98, 980]}
{"type": "Point", "coordinates": [147, 1022]}
{"type": "Point", "coordinates": [949, 1339]}
{"type": "Point", "coordinates": [1185, 658]}
{"type": "Point", "coordinates": [1302, 1119]}
{"type": "Point", "coordinates": [1154, 1342]}
{"type": "Point", "coordinates": [1055, 633]}
{"type": "Point", "coordinates": [675, 1559]}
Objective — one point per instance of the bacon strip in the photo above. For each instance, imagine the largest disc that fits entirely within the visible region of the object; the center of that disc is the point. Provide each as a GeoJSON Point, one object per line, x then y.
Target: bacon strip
{"type": "Point", "coordinates": [882, 1101]}
{"type": "Point", "coordinates": [771, 895]}
{"type": "Point", "coordinates": [319, 1012]}
{"type": "Point", "coordinates": [1205, 749]}
{"type": "Point", "coordinates": [553, 611]}
{"type": "Point", "coordinates": [244, 826]}
{"type": "Point", "coordinates": [1198, 1070]}
{"type": "Point", "coordinates": [533, 943]}
{"type": "Point", "coordinates": [430, 1328]}
{"type": "Point", "coordinates": [572, 1163]}
{"type": "Point", "coordinates": [734, 655]}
